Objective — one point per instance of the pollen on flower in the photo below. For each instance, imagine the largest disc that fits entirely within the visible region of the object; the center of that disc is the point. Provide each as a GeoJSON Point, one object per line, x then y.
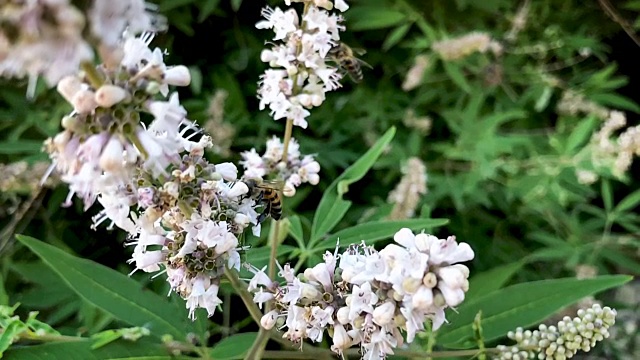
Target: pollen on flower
{"type": "Point", "coordinates": [369, 298]}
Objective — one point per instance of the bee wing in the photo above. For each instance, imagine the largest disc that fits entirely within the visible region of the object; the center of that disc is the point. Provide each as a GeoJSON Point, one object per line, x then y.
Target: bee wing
{"type": "Point", "coordinates": [359, 51]}
{"type": "Point", "coordinates": [365, 64]}
{"type": "Point", "coordinates": [273, 184]}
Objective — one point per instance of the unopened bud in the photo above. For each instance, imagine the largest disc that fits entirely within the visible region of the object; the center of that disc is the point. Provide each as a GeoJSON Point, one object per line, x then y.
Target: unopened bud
{"type": "Point", "coordinates": [343, 315]}
{"type": "Point", "coordinates": [177, 76]}
{"type": "Point", "coordinates": [84, 101]}
{"type": "Point", "coordinates": [111, 158]}
{"type": "Point", "coordinates": [109, 95]}
{"type": "Point", "coordinates": [68, 87]}
{"type": "Point", "coordinates": [383, 314]}
{"type": "Point", "coordinates": [269, 319]}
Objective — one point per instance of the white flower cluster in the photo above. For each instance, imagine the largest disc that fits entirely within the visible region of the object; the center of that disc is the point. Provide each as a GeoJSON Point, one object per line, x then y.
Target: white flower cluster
{"type": "Point", "coordinates": [41, 38]}
{"type": "Point", "coordinates": [562, 341]}
{"type": "Point", "coordinates": [367, 297]}
{"type": "Point", "coordinates": [463, 46]}
{"type": "Point", "coordinates": [104, 138]}
{"type": "Point", "coordinates": [405, 197]}
{"type": "Point", "coordinates": [109, 19]}
{"type": "Point", "coordinates": [46, 37]}
{"type": "Point", "coordinates": [300, 76]}
{"type": "Point", "coordinates": [190, 227]}
{"type": "Point", "coordinates": [609, 150]}
{"type": "Point", "coordinates": [189, 213]}
{"type": "Point", "coordinates": [297, 170]}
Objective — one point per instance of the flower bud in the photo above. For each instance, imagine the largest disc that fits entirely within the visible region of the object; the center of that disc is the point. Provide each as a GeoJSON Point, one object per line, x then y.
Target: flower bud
{"type": "Point", "coordinates": [423, 298]}
{"type": "Point", "coordinates": [411, 285]}
{"type": "Point", "coordinates": [430, 280]}
{"type": "Point", "coordinates": [84, 101]}
{"type": "Point", "coordinates": [111, 159]}
{"type": "Point", "coordinates": [177, 76]}
{"type": "Point", "coordinates": [227, 170]}
{"type": "Point", "coordinates": [289, 190]}
{"type": "Point", "coordinates": [341, 339]}
{"type": "Point", "coordinates": [269, 319]}
{"type": "Point", "coordinates": [109, 95]}
{"type": "Point", "coordinates": [384, 313]}
{"type": "Point", "coordinates": [342, 315]}
{"type": "Point", "coordinates": [69, 86]}
{"type": "Point", "coordinates": [238, 189]}
{"type": "Point", "coordinates": [69, 122]}
{"type": "Point", "coordinates": [242, 220]}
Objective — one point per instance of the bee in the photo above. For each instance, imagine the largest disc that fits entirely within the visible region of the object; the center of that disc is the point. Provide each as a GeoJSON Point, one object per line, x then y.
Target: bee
{"type": "Point", "coordinates": [267, 193]}
{"type": "Point", "coordinates": [345, 57]}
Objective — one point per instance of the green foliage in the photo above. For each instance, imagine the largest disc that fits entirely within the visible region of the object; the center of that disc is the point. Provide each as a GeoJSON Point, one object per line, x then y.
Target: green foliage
{"type": "Point", "coordinates": [113, 292]}
{"type": "Point", "coordinates": [502, 155]}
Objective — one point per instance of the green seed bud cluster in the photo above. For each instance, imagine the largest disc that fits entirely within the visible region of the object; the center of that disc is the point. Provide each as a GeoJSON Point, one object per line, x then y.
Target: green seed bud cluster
{"type": "Point", "coordinates": [562, 341]}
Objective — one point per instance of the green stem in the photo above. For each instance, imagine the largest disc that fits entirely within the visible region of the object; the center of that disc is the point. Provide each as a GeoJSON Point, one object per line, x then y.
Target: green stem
{"type": "Point", "coordinates": [273, 242]}
{"type": "Point", "coordinates": [283, 354]}
{"type": "Point", "coordinates": [94, 78]}
{"type": "Point", "coordinates": [287, 139]}
{"type": "Point", "coordinates": [241, 290]}
{"type": "Point", "coordinates": [256, 352]}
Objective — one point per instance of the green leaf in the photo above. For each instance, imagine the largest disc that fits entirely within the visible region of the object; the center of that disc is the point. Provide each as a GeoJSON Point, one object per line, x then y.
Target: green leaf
{"type": "Point", "coordinates": [630, 201]}
{"type": "Point", "coordinates": [332, 207]}
{"type": "Point", "coordinates": [208, 8]}
{"type": "Point", "coordinates": [4, 297]}
{"type": "Point", "coordinates": [370, 18]}
{"type": "Point", "coordinates": [296, 231]}
{"type": "Point", "coordinates": [615, 100]}
{"type": "Point", "coordinates": [375, 231]}
{"type": "Point", "coordinates": [581, 134]}
{"type": "Point", "coordinates": [111, 291]}
{"type": "Point", "coordinates": [338, 209]}
{"type": "Point", "coordinates": [520, 305]}
{"type": "Point", "coordinates": [396, 36]}
{"type": "Point", "coordinates": [544, 98]}
{"type": "Point", "coordinates": [81, 350]}
{"type": "Point", "coordinates": [233, 347]}
{"type": "Point", "coordinates": [9, 333]}
{"type": "Point", "coordinates": [235, 5]}
{"type": "Point", "coordinates": [196, 80]}
{"type": "Point", "coordinates": [456, 75]}
{"type": "Point", "coordinates": [20, 147]}
{"type": "Point", "coordinates": [167, 5]}
{"type": "Point", "coordinates": [619, 258]}
{"type": "Point", "coordinates": [492, 280]}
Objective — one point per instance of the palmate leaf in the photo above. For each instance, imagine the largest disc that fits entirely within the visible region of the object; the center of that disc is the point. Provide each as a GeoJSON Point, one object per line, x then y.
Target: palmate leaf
{"type": "Point", "coordinates": [520, 305]}
{"type": "Point", "coordinates": [113, 292]}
